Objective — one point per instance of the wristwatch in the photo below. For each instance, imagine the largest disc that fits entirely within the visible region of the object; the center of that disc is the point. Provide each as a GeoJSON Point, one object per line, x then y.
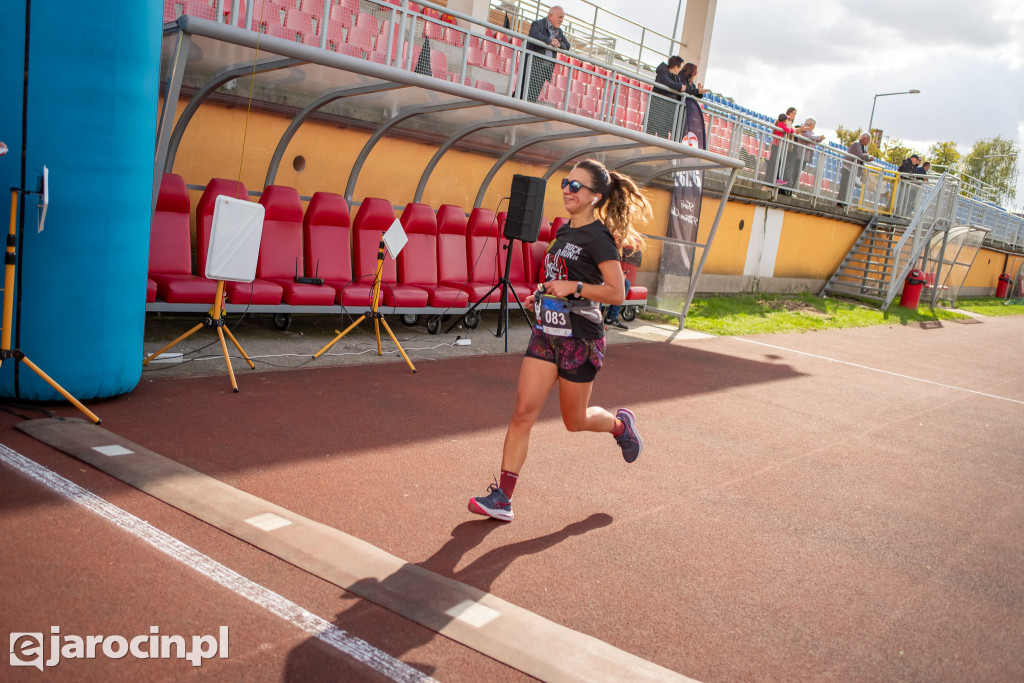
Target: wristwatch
{"type": "Point", "coordinates": [579, 288]}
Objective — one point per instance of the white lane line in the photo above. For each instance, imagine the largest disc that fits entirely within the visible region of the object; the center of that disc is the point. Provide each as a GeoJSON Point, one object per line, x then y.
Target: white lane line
{"type": "Point", "coordinates": [287, 610]}
{"type": "Point", "coordinates": [884, 372]}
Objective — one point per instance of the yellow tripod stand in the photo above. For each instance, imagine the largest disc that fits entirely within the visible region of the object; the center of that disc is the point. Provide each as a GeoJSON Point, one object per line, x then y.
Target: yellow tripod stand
{"type": "Point", "coordinates": [5, 345]}
{"type": "Point", "coordinates": [215, 319]}
{"type": "Point", "coordinates": [378, 317]}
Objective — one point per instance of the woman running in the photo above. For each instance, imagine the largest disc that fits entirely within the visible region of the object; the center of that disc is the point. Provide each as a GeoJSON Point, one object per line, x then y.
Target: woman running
{"type": "Point", "coordinates": [581, 272]}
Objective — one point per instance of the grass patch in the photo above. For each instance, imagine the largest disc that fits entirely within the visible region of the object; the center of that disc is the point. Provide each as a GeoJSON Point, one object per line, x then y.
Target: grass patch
{"type": "Point", "coordinates": [990, 305]}
{"type": "Point", "coordinates": [771, 313]}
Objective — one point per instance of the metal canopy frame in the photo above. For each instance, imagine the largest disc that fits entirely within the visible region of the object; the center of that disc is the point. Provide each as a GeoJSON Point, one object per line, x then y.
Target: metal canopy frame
{"type": "Point", "coordinates": [956, 249]}
{"type": "Point", "coordinates": [210, 59]}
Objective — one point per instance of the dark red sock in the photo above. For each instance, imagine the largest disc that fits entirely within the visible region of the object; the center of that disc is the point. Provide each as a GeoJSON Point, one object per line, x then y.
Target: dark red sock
{"type": "Point", "coordinates": [620, 427]}
{"type": "Point", "coordinates": [508, 482]}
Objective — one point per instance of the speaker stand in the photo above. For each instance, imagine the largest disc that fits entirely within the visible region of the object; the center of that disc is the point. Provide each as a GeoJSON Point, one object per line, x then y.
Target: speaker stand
{"type": "Point", "coordinates": [506, 286]}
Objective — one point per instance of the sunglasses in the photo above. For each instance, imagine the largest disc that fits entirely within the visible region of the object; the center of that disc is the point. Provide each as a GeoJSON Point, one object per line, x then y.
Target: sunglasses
{"type": "Point", "coordinates": [575, 185]}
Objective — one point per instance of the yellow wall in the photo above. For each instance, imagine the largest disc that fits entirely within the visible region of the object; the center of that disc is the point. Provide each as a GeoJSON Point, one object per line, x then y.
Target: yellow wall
{"type": "Point", "coordinates": [988, 266]}
{"type": "Point", "coordinates": [226, 142]}
{"type": "Point", "coordinates": [729, 250]}
{"type": "Point", "coordinates": [812, 247]}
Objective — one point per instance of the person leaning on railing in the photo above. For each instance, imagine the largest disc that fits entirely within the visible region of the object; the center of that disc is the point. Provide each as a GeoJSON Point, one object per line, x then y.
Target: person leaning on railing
{"type": "Point", "coordinates": [802, 153]}
{"type": "Point", "coordinates": [659, 121]}
{"type": "Point", "coordinates": [688, 73]}
{"type": "Point", "coordinates": [549, 32]}
{"type": "Point", "coordinates": [858, 149]}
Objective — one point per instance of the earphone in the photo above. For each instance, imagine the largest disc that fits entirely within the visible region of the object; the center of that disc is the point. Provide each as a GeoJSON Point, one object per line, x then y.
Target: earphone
{"type": "Point", "coordinates": [593, 201]}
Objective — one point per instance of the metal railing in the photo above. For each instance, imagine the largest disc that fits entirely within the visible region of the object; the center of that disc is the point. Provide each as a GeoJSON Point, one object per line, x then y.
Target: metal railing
{"type": "Point", "coordinates": [478, 53]}
{"type": "Point", "coordinates": [937, 211]}
{"type": "Point", "coordinates": [606, 37]}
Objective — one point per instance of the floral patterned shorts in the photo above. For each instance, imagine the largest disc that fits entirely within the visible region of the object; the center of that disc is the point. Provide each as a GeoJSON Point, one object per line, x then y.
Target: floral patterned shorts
{"type": "Point", "coordinates": [578, 360]}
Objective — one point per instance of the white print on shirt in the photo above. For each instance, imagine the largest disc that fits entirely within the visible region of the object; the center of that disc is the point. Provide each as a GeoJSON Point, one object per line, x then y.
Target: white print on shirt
{"type": "Point", "coordinates": [556, 266]}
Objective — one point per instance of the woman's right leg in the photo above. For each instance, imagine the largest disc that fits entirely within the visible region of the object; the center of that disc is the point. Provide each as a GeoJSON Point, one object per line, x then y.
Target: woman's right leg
{"type": "Point", "coordinates": [536, 378]}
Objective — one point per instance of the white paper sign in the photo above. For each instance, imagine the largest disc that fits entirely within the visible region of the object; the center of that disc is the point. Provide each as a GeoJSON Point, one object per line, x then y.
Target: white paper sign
{"type": "Point", "coordinates": [395, 238]}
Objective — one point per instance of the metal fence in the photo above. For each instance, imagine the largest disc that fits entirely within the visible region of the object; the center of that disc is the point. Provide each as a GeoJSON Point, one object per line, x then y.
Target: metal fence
{"type": "Point", "coordinates": [477, 53]}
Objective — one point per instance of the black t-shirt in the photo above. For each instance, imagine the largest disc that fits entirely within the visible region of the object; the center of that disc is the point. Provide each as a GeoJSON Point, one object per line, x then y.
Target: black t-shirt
{"type": "Point", "coordinates": [575, 254]}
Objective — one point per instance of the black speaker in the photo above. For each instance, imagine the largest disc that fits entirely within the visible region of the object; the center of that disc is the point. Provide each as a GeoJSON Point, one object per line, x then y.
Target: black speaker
{"type": "Point", "coordinates": [525, 208]}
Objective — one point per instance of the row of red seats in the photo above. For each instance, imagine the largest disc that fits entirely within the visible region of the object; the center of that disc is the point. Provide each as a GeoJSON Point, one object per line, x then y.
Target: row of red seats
{"type": "Point", "coordinates": [449, 262]}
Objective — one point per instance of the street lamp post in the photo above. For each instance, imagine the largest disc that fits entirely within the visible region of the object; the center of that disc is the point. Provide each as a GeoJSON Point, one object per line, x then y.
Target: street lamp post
{"type": "Point", "coordinates": [886, 94]}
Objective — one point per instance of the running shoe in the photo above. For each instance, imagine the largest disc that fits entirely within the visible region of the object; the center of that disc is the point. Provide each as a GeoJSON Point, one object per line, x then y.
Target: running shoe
{"type": "Point", "coordinates": [629, 441]}
{"type": "Point", "coordinates": [495, 504]}
{"type": "Point", "coordinates": [616, 323]}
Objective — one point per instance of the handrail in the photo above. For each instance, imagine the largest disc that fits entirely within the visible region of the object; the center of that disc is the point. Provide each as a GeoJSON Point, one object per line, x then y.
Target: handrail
{"type": "Point", "coordinates": [936, 208]}
{"type": "Point", "coordinates": [818, 173]}
{"type": "Point", "coordinates": [591, 30]}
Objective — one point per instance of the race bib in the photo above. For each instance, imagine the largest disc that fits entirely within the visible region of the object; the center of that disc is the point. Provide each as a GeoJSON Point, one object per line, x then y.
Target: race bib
{"type": "Point", "coordinates": [552, 315]}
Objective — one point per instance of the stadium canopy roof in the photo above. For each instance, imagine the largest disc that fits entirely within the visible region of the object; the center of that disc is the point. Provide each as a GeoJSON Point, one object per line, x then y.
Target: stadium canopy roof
{"type": "Point", "coordinates": [207, 59]}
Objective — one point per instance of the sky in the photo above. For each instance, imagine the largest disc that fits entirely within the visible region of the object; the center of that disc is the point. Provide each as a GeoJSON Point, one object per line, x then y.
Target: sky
{"type": "Point", "coordinates": [830, 60]}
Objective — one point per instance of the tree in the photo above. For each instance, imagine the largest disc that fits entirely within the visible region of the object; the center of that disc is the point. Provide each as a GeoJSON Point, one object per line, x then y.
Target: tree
{"type": "Point", "coordinates": [944, 155]}
{"type": "Point", "coordinates": [993, 161]}
{"type": "Point", "coordinates": [894, 151]}
{"type": "Point", "coordinates": [848, 136]}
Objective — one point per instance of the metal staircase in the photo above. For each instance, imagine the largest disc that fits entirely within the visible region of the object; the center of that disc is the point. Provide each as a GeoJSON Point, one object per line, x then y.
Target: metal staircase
{"type": "Point", "coordinates": [867, 270]}
{"type": "Point", "coordinates": [885, 252]}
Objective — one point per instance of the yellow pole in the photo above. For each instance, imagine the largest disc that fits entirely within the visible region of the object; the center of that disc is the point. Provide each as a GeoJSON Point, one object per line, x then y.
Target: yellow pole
{"type": "Point", "coordinates": [9, 275]}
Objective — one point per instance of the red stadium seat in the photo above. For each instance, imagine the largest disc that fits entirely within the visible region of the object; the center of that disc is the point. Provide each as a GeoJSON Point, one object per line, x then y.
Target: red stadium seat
{"type": "Point", "coordinates": [361, 38]}
{"type": "Point", "coordinates": [280, 258]}
{"type": "Point", "coordinates": [451, 248]}
{"type": "Point", "coordinates": [518, 280]}
{"type": "Point", "coordinates": [482, 255]}
{"type": "Point", "coordinates": [150, 291]}
{"type": "Point", "coordinates": [200, 9]}
{"type": "Point", "coordinates": [417, 264]}
{"type": "Point", "coordinates": [170, 248]}
{"type": "Point", "coordinates": [636, 292]}
{"type": "Point", "coordinates": [258, 292]}
{"type": "Point", "coordinates": [299, 21]}
{"type": "Point", "coordinates": [535, 250]}
{"type": "Point", "coordinates": [373, 218]}
{"type": "Point", "coordinates": [171, 11]}
{"type": "Point", "coordinates": [439, 65]}
{"type": "Point", "coordinates": [327, 252]}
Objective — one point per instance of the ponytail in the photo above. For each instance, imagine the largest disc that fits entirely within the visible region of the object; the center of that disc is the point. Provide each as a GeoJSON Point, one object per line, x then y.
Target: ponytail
{"type": "Point", "coordinates": [622, 205]}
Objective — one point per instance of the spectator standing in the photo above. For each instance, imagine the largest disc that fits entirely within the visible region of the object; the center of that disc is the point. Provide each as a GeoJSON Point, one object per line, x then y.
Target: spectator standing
{"type": "Point", "coordinates": [659, 121]}
{"type": "Point", "coordinates": [910, 165]}
{"type": "Point", "coordinates": [802, 153]}
{"type": "Point", "coordinates": [549, 32]}
{"type": "Point", "coordinates": [859, 150]}
{"type": "Point", "coordinates": [783, 131]}
{"type": "Point", "coordinates": [688, 73]}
